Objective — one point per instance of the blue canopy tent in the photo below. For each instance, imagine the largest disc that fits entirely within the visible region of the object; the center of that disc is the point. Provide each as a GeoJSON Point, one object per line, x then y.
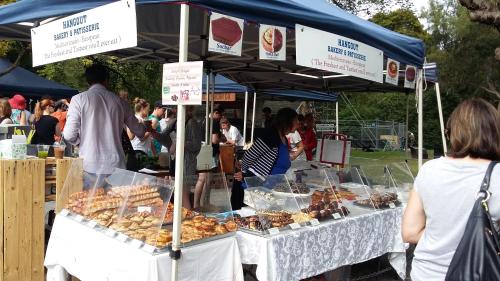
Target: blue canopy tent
{"type": "Point", "coordinates": [162, 26]}
{"type": "Point", "coordinates": [20, 80]}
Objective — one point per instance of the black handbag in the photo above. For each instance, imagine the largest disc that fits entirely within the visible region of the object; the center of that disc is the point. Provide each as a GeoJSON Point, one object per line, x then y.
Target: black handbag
{"type": "Point", "coordinates": [477, 257]}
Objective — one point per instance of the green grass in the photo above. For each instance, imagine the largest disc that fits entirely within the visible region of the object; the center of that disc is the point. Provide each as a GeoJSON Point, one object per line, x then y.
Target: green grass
{"type": "Point", "coordinates": [359, 157]}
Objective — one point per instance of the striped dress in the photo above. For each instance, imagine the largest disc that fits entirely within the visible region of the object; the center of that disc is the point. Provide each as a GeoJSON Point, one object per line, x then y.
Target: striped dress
{"type": "Point", "coordinates": [263, 154]}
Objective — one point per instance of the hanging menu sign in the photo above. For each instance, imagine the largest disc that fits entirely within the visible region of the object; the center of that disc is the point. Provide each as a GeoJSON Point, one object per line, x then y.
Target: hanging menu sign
{"type": "Point", "coordinates": [331, 52]}
{"type": "Point", "coordinates": [182, 83]}
{"type": "Point", "coordinates": [102, 29]}
{"type": "Point", "coordinates": [272, 42]}
{"type": "Point", "coordinates": [226, 34]}
{"type": "Point", "coordinates": [392, 72]}
{"type": "Point", "coordinates": [410, 76]}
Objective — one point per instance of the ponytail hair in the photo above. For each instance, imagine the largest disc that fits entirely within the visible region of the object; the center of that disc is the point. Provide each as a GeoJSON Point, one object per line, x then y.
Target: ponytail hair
{"type": "Point", "coordinates": [139, 104]}
{"type": "Point", "coordinates": [41, 106]}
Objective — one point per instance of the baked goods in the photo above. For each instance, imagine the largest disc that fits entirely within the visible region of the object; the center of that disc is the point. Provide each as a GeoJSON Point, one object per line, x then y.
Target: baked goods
{"type": "Point", "coordinates": [346, 194]}
{"type": "Point", "coordinates": [392, 70]}
{"type": "Point", "coordinates": [324, 204]}
{"type": "Point", "coordinates": [226, 31]}
{"type": "Point", "coordinates": [262, 195]}
{"type": "Point", "coordinates": [200, 227]}
{"type": "Point", "coordinates": [295, 187]}
{"type": "Point", "coordinates": [410, 74]}
{"type": "Point", "coordinates": [379, 200]}
{"type": "Point", "coordinates": [300, 217]}
{"type": "Point", "coordinates": [272, 40]}
{"type": "Point", "coordinates": [253, 222]}
{"type": "Point", "coordinates": [277, 218]}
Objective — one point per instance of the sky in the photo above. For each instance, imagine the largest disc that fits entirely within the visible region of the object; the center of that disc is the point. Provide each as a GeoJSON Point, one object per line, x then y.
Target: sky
{"type": "Point", "coordinates": [419, 4]}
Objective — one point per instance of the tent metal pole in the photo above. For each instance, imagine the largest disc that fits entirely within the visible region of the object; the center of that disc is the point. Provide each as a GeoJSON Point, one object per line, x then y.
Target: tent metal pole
{"type": "Point", "coordinates": [245, 118]}
{"type": "Point", "coordinates": [441, 121]}
{"type": "Point", "coordinates": [253, 115]}
{"type": "Point", "coordinates": [337, 117]}
{"type": "Point", "coordinates": [179, 155]}
{"type": "Point", "coordinates": [207, 133]}
{"type": "Point", "coordinates": [420, 119]}
{"type": "Point", "coordinates": [407, 145]}
{"type": "Point", "coordinates": [212, 90]}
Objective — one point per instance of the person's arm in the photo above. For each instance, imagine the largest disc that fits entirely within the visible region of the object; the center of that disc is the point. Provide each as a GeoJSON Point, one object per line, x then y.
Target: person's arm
{"type": "Point", "coordinates": [131, 121]}
{"type": "Point", "coordinates": [163, 137]}
{"type": "Point", "coordinates": [413, 225]}
{"type": "Point", "coordinates": [23, 121]}
{"type": "Point", "coordinates": [58, 129]}
{"type": "Point", "coordinates": [300, 149]}
{"type": "Point", "coordinates": [6, 121]}
{"type": "Point", "coordinates": [130, 135]}
{"type": "Point", "coordinates": [73, 123]}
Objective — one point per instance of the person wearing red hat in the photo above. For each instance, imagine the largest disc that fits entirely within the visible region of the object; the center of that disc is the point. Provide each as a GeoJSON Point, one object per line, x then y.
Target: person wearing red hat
{"type": "Point", "coordinates": [19, 114]}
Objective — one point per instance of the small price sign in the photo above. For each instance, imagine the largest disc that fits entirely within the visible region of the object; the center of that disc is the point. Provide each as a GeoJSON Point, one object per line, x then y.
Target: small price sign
{"type": "Point", "coordinates": [110, 232]}
{"type": "Point", "coordinates": [92, 224]}
{"type": "Point", "coordinates": [314, 222]}
{"type": "Point", "coordinates": [274, 231]}
{"type": "Point", "coordinates": [392, 205]}
{"type": "Point", "coordinates": [295, 225]}
{"type": "Point", "coordinates": [148, 248]}
{"type": "Point", "coordinates": [136, 243]}
{"type": "Point", "coordinates": [143, 209]}
{"type": "Point", "coordinates": [79, 218]}
{"type": "Point", "coordinates": [122, 237]}
{"type": "Point", "coordinates": [64, 212]}
{"type": "Point", "coordinates": [336, 216]}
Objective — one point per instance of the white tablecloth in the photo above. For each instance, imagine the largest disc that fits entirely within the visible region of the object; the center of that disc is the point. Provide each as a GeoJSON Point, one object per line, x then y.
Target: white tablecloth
{"type": "Point", "coordinates": [92, 256]}
{"type": "Point", "coordinates": [309, 251]}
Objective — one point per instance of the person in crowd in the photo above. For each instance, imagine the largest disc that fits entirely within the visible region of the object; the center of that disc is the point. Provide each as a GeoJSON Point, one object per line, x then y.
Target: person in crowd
{"type": "Point", "coordinates": [295, 143]}
{"type": "Point", "coordinates": [5, 112]}
{"type": "Point", "coordinates": [231, 133]}
{"type": "Point", "coordinates": [46, 126]}
{"type": "Point", "coordinates": [307, 134]}
{"type": "Point", "coordinates": [170, 114]}
{"type": "Point", "coordinates": [268, 117]}
{"type": "Point", "coordinates": [216, 115]}
{"type": "Point", "coordinates": [192, 146]}
{"type": "Point", "coordinates": [445, 189]}
{"type": "Point", "coordinates": [19, 115]}
{"type": "Point", "coordinates": [141, 144]}
{"type": "Point", "coordinates": [61, 112]}
{"type": "Point", "coordinates": [132, 163]}
{"type": "Point", "coordinates": [95, 122]}
{"type": "Point", "coordinates": [269, 153]}
{"type": "Point", "coordinates": [155, 117]}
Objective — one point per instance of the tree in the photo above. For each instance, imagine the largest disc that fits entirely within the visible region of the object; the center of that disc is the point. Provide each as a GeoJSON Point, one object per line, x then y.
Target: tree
{"type": "Point", "coordinates": [369, 7]}
{"type": "Point", "coordinates": [402, 21]}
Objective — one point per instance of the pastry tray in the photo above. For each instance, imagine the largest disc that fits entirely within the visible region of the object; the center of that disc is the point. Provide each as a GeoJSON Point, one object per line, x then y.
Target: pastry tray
{"type": "Point", "coordinates": [264, 232]}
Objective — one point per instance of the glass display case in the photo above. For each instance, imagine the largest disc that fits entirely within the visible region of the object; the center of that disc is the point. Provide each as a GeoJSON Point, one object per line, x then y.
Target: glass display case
{"type": "Point", "coordinates": [403, 179]}
{"type": "Point", "coordinates": [275, 205]}
{"type": "Point", "coordinates": [351, 190]}
{"type": "Point", "coordinates": [321, 202]}
{"type": "Point", "coordinates": [211, 216]}
{"type": "Point", "coordinates": [383, 191]}
{"type": "Point", "coordinates": [135, 208]}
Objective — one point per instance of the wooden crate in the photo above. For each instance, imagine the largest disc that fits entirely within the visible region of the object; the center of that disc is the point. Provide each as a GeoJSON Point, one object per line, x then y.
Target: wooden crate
{"type": "Point", "coordinates": [22, 198]}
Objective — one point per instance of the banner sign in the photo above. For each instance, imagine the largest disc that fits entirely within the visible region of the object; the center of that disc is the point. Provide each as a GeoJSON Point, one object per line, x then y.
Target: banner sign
{"type": "Point", "coordinates": [272, 42]}
{"type": "Point", "coordinates": [182, 83]}
{"type": "Point", "coordinates": [226, 34]}
{"type": "Point", "coordinates": [221, 97]}
{"type": "Point", "coordinates": [327, 51]}
{"type": "Point", "coordinates": [410, 76]}
{"type": "Point", "coordinates": [102, 29]}
{"type": "Point", "coordinates": [392, 72]}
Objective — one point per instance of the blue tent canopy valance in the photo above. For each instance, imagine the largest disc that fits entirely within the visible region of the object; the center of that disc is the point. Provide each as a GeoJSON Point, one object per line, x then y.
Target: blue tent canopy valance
{"type": "Point", "coordinates": [20, 80]}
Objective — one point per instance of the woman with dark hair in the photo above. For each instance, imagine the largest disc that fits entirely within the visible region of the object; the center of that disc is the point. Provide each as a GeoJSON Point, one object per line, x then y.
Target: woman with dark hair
{"type": "Point", "coordinates": [268, 154]}
{"type": "Point", "coordinates": [446, 188]}
{"type": "Point", "coordinates": [46, 126]}
{"type": "Point", "coordinates": [61, 112]}
{"type": "Point", "coordinates": [144, 145]}
{"type": "Point", "coordinates": [5, 112]}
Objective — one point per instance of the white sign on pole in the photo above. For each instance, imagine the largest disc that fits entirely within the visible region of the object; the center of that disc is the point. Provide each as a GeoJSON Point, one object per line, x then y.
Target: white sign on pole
{"type": "Point", "coordinates": [272, 42]}
{"type": "Point", "coordinates": [102, 29]}
{"type": "Point", "coordinates": [226, 34]}
{"type": "Point", "coordinates": [410, 76]}
{"type": "Point", "coordinates": [182, 83]}
{"type": "Point", "coordinates": [327, 51]}
{"type": "Point", "coordinates": [392, 72]}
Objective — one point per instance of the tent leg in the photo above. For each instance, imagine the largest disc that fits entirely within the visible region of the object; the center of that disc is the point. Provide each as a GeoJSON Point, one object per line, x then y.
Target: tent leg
{"type": "Point", "coordinates": [179, 156]}
{"type": "Point", "coordinates": [441, 121]}
{"type": "Point", "coordinates": [337, 130]}
{"type": "Point", "coordinates": [407, 146]}
{"type": "Point", "coordinates": [420, 118]}
{"type": "Point", "coordinates": [253, 115]}
{"type": "Point", "coordinates": [245, 118]}
{"type": "Point", "coordinates": [207, 132]}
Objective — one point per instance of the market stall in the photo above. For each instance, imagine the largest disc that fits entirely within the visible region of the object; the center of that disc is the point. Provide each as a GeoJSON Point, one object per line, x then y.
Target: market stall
{"type": "Point", "coordinates": [348, 54]}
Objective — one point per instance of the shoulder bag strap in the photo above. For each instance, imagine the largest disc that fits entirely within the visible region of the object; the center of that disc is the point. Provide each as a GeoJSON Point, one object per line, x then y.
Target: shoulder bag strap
{"type": "Point", "coordinates": [484, 189]}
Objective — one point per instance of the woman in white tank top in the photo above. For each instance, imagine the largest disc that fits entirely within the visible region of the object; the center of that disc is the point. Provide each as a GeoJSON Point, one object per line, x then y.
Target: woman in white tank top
{"type": "Point", "coordinates": [445, 189]}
